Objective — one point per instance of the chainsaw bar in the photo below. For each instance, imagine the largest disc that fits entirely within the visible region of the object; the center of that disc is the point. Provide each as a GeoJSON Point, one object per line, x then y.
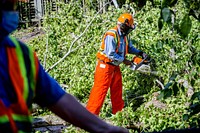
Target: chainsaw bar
{"type": "Point", "coordinates": [143, 66]}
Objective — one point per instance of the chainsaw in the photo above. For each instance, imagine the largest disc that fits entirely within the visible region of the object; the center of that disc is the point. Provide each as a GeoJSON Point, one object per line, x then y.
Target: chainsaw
{"type": "Point", "coordinates": [142, 65]}
{"type": "Point", "coordinates": [145, 66]}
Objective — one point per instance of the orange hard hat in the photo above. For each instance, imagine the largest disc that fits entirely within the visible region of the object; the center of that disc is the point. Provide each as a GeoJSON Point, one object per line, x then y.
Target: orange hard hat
{"type": "Point", "coordinates": [127, 19]}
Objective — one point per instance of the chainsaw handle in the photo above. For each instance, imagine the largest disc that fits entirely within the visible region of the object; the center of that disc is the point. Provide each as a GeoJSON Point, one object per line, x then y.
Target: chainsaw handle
{"type": "Point", "coordinates": [138, 65]}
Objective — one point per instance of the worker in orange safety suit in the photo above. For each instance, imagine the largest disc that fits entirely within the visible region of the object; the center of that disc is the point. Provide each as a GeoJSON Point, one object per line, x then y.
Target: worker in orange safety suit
{"type": "Point", "coordinates": [114, 47]}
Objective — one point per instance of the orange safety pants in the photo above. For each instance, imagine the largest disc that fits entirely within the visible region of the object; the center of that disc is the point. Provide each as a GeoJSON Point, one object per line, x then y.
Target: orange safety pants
{"type": "Point", "coordinates": [106, 76]}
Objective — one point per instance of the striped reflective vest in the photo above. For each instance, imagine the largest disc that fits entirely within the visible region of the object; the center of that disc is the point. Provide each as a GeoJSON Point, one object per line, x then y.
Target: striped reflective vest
{"type": "Point", "coordinates": [23, 68]}
{"type": "Point", "coordinates": [112, 32]}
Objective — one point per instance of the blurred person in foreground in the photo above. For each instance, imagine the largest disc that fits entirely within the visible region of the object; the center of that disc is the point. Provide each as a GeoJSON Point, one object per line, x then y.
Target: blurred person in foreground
{"type": "Point", "coordinates": [24, 81]}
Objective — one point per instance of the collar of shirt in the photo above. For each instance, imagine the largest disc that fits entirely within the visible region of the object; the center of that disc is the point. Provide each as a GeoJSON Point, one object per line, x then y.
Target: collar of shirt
{"type": "Point", "coordinates": [118, 29]}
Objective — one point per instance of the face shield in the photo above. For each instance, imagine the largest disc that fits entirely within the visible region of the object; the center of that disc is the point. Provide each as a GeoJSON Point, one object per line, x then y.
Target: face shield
{"type": "Point", "coordinates": [125, 29]}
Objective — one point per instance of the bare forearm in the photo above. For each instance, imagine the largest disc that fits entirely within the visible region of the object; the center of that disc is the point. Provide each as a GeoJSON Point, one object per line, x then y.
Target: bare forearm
{"type": "Point", "coordinates": [69, 109]}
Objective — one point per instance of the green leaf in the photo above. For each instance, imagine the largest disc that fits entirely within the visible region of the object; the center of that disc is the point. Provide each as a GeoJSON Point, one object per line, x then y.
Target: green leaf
{"type": "Point", "coordinates": [172, 2]}
{"type": "Point", "coordinates": [195, 108]}
{"type": "Point", "coordinates": [167, 93]}
{"type": "Point", "coordinates": [185, 26]}
{"type": "Point", "coordinates": [166, 14]}
{"type": "Point", "coordinates": [141, 3]}
{"type": "Point", "coordinates": [196, 95]}
{"type": "Point", "coordinates": [195, 14]}
{"type": "Point", "coordinates": [161, 95]}
{"type": "Point", "coordinates": [160, 24]}
{"type": "Point", "coordinates": [164, 3]}
{"type": "Point", "coordinates": [168, 85]}
{"type": "Point", "coordinates": [175, 89]}
{"type": "Point", "coordinates": [182, 88]}
{"type": "Point", "coordinates": [193, 81]}
{"type": "Point", "coordinates": [173, 77]}
{"type": "Point", "coordinates": [185, 117]}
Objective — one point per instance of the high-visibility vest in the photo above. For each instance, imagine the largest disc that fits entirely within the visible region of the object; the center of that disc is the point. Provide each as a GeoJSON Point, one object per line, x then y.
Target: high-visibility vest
{"type": "Point", "coordinates": [23, 69]}
{"type": "Point", "coordinates": [112, 32]}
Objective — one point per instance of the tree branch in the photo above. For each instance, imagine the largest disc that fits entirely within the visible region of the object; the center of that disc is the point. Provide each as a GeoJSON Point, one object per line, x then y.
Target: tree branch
{"type": "Point", "coordinates": [72, 44]}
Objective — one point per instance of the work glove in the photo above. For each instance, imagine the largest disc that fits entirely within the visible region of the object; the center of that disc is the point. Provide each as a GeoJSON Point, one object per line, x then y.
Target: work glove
{"type": "Point", "coordinates": [127, 62]}
{"type": "Point", "coordinates": [143, 54]}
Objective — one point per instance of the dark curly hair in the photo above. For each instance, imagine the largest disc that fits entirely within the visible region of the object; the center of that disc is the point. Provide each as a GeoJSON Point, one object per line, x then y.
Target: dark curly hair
{"type": "Point", "coordinates": [8, 5]}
